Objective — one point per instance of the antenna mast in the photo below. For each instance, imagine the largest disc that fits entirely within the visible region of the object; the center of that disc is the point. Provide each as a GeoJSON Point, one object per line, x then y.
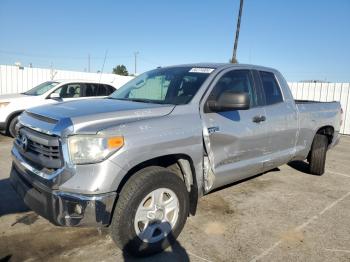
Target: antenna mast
{"type": "Point", "coordinates": [234, 55]}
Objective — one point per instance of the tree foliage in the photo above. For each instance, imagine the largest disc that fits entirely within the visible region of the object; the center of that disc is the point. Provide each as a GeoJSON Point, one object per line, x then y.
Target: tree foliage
{"type": "Point", "coordinates": [120, 70]}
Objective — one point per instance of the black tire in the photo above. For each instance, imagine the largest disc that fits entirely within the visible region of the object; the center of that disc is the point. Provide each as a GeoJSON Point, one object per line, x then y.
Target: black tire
{"type": "Point", "coordinates": [134, 191]}
{"type": "Point", "coordinates": [12, 126]}
{"type": "Point", "coordinates": [317, 159]}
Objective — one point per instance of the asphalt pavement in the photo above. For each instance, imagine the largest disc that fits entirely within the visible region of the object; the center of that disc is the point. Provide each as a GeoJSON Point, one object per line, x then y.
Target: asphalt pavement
{"type": "Point", "coordinates": [283, 215]}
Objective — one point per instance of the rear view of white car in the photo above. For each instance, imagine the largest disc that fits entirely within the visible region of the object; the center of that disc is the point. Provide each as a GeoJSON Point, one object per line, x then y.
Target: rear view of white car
{"type": "Point", "coordinates": [11, 106]}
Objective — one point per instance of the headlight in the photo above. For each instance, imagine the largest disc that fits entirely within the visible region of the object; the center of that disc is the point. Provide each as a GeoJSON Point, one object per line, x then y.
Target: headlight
{"type": "Point", "coordinates": [85, 149]}
{"type": "Point", "coordinates": [3, 104]}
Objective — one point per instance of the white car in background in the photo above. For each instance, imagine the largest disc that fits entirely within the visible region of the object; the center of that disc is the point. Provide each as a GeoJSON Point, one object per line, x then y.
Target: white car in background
{"type": "Point", "coordinates": [12, 105]}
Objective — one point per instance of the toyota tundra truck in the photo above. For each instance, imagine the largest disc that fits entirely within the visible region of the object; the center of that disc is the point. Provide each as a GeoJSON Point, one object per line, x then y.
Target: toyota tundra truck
{"type": "Point", "coordinates": [137, 161]}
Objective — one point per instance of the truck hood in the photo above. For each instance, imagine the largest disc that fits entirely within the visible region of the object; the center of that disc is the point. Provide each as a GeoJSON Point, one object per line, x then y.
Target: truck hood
{"type": "Point", "coordinates": [93, 115]}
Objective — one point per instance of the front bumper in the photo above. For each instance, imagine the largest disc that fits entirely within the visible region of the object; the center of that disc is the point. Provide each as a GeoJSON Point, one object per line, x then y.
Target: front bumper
{"type": "Point", "coordinates": [63, 208]}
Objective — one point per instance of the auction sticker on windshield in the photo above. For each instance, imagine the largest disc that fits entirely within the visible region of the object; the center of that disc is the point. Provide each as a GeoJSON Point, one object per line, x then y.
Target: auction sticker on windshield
{"type": "Point", "coordinates": [201, 70]}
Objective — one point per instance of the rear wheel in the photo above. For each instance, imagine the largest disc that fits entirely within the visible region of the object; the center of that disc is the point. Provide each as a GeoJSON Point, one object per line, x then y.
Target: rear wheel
{"type": "Point", "coordinates": [151, 211]}
{"type": "Point", "coordinates": [317, 158]}
{"type": "Point", "coordinates": [12, 126]}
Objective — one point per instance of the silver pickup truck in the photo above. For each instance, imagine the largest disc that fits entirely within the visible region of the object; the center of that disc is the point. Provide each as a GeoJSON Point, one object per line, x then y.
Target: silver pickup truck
{"type": "Point", "coordinates": [138, 160]}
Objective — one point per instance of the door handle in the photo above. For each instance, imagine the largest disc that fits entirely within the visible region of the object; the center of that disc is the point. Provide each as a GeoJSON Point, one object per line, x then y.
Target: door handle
{"type": "Point", "coordinates": [258, 119]}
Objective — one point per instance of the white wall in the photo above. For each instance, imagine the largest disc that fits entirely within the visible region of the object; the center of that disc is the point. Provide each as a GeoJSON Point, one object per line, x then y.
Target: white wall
{"type": "Point", "coordinates": [326, 92]}
{"type": "Point", "coordinates": [16, 80]}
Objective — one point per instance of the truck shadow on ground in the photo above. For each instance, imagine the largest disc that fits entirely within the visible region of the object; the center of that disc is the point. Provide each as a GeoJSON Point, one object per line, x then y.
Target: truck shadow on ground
{"type": "Point", "coordinates": [301, 166]}
{"type": "Point", "coordinates": [177, 253]}
{"type": "Point", "coordinates": [43, 240]}
{"type": "Point", "coordinates": [5, 258]}
{"type": "Point", "coordinates": [10, 202]}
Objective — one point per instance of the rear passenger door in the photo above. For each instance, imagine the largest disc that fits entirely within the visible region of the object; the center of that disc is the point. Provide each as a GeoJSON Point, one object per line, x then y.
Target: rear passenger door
{"type": "Point", "coordinates": [281, 121]}
{"type": "Point", "coordinates": [234, 140]}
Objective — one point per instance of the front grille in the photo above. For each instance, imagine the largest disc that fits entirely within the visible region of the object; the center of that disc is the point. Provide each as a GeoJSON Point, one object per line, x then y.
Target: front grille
{"type": "Point", "coordinates": [43, 151]}
{"type": "Point", "coordinates": [51, 152]}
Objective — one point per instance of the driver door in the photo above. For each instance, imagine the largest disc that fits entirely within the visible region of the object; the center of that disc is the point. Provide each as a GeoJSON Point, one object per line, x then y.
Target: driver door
{"type": "Point", "coordinates": [236, 143]}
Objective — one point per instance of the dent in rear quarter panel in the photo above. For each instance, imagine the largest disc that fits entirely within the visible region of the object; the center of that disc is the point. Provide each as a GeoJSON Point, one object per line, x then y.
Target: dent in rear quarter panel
{"type": "Point", "coordinates": [177, 133]}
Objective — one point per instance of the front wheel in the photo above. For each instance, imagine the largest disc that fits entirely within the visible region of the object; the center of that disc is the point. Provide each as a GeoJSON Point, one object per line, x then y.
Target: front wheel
{"type": "Point", "coordinates": [151, 211]}
{"type": "Point", "coordinates": [12, 126]}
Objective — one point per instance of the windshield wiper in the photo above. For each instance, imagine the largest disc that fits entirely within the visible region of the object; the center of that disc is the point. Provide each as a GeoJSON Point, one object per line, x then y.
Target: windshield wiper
{"type": "Point", "coordinates": [141, 100]}
{"type": "Point", "coordinates": [111, 97]}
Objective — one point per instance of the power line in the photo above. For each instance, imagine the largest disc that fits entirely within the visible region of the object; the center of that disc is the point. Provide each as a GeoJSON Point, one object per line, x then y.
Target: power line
{"type": "Point", "coordinates": [59, 56]}
{"type": "Point", "coordinates": [149, 61]}
{"type": "Point", "coordinates": [89, 59]}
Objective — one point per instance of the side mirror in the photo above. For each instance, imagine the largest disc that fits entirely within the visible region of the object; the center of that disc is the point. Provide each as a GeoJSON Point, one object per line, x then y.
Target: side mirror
{"type": "Point", "coordinates": [55, 96]}
{"type": "Point", "coordinates": [229, 101]}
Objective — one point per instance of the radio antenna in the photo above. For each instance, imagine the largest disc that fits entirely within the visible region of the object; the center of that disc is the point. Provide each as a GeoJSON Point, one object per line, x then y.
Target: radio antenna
{"type": "Point", "coordinates": [103, 65]}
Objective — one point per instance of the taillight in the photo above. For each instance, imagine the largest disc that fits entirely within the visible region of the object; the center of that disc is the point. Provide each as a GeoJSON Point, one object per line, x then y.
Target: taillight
{"type": "Point", "coordinates": [341, 116]}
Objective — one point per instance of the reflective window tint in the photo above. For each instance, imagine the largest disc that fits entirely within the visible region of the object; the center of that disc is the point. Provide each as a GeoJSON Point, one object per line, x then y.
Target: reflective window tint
{"type": "Point", "coordinates": [271, 88]}
{"type": "Point", "coordinates": [239, 81]}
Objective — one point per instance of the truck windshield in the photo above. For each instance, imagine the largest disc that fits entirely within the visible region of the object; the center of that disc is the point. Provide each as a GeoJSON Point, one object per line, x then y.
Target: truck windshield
{"type": "Point", "coordinates": [174, 85]}
{"type": "Point", "coordinates": [41, 89]}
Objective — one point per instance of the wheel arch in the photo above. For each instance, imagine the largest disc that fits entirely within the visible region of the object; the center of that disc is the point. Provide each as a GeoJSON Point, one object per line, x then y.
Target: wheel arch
{"type": "Point", "coordinates": [12, 116]}
{"type": "Point", "coordinates": [328, 131]}
{"type": "Point", "coordinates": [181, 164]}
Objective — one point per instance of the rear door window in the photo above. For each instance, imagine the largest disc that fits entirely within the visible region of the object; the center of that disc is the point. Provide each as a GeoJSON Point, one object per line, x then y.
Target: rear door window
{"type": "Point", "coordinates": [90, 89]}
{"type": "Point", "coordinates": [110, 89]}
{"type": "Point", "coordinates": [272, 90]}
{"type": "Point", "coordinates": [73, 90]}
{"type": "Point", "coordinates": [94, 89]}
{"type": "Point", "coordinates": [102, 90]}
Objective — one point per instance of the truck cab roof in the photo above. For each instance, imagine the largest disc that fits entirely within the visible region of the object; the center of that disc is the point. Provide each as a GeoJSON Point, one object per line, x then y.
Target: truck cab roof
{"type": "Point", "coordinates": [225, 65]}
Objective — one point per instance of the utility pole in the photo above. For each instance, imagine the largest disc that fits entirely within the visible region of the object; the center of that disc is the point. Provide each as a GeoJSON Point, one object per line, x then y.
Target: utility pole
{"type": "Point", "coordinates": [89, 63]}
{"type": "Point", "coordinates": [234, 55]}
{"type": "Point", "coordinates": [135, 55]}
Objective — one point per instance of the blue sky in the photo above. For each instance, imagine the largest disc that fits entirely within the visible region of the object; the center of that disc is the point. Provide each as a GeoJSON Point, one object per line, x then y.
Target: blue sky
{"type": "Point", "coordinates": [303, 39]}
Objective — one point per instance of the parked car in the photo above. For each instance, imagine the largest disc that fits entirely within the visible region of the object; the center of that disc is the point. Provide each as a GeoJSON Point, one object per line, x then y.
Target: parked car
{"type": "Point", "coordinates": [138, 160]}
{"type": "Point", "coordinates": [11, 106]}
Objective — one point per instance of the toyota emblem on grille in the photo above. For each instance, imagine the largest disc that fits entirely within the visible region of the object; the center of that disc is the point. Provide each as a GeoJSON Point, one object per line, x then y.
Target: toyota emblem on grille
{"type": "Point", "coordinates": [24, 143]}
